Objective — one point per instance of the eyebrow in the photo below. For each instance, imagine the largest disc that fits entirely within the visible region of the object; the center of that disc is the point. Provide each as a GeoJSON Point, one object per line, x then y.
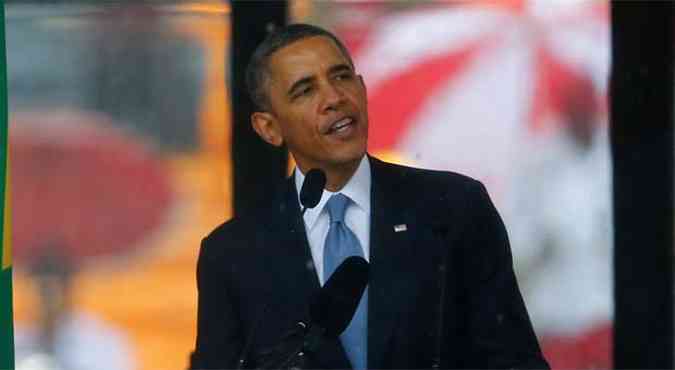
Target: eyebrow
{"type": "Point", "coordinates": [306, 80]}
{"type": "Point", "coordinates": [340, 68]}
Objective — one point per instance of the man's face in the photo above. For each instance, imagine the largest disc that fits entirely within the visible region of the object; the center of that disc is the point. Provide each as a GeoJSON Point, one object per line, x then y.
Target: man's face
{"type": "Point", "coordinates": [317, 105]}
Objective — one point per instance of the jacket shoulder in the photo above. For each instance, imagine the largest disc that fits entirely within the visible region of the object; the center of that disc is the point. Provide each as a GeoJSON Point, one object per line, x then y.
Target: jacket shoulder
{"type": "Point", "coordinates": [429, 181]}
{"type": "Point", "coordinates": [231, 237]}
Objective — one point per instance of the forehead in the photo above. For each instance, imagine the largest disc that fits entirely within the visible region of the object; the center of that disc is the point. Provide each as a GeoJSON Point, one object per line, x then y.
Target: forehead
{"type": "Point", "coordinates": [303, 58]}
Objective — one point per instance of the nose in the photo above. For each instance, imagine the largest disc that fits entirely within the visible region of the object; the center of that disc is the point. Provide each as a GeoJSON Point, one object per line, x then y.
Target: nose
{"type": "Point", "coordinates": [332, 97]}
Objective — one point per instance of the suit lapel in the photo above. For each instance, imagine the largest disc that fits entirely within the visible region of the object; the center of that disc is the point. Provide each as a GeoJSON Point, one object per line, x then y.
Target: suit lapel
{"type": "Point", "coordinates": [301, 269]}
{"type": "Point", "coordinates": [390, 251]}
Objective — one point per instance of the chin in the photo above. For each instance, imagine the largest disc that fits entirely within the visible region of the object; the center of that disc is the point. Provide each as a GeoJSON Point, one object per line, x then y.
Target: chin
{"type": "Point", "coordinates": [349, 158]}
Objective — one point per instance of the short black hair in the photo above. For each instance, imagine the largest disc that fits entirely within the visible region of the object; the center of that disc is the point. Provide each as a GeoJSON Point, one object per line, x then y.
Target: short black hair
{"type": "Point", "coordinates": [257, 69]}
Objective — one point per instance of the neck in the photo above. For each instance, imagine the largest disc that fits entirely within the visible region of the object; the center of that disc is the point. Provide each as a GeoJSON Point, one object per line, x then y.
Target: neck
{"type": "Point", "coordinates": [337, 178]}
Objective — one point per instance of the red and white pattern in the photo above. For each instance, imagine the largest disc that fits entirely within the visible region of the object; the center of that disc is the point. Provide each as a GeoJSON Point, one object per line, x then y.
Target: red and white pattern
{"type": "Point", "coordinates": [458, 86]}
{"type": "Point", "coordinates": [470, 86]}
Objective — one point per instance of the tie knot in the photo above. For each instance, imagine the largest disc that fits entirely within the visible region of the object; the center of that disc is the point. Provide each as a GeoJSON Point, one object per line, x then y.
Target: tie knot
{"type": "Point", "coordinates": [337, 205]}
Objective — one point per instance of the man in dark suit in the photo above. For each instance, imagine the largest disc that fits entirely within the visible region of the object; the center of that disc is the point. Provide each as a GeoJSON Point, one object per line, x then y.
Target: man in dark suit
{"type": "Point", "coordinates": [257, 273]}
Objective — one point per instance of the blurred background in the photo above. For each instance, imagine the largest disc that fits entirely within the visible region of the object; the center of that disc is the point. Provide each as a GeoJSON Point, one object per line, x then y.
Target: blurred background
{"type": "Point", "coordinates": [120, 137]}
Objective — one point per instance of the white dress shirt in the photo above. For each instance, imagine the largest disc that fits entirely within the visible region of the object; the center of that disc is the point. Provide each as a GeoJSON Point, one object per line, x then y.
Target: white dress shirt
{"type": "Point", "coordinates": [357, 215]}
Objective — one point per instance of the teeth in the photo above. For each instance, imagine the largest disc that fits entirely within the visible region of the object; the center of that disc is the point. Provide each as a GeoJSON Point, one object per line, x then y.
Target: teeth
{"type": "Point", "coordinates": [342, 123]}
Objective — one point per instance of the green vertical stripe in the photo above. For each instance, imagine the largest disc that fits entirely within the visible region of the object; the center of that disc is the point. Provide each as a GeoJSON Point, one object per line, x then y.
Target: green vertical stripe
{"type": "Point", "coordinates": [6, 322]}
{"type": "Point", "coordinates": [6, 326]}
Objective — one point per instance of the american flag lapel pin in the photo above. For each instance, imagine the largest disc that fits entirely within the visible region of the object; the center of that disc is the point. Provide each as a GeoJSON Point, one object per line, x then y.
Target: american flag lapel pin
{"type": "Point", "coordinates": [400, 227]}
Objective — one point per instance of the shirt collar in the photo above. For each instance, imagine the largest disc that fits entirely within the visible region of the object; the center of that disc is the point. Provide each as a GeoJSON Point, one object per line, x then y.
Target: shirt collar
{"type": "Point", "coordinates": [357, 189]}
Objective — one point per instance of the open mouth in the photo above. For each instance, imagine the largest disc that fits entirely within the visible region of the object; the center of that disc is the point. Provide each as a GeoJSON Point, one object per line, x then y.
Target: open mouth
{"type": "Point", "coordinates": [341, 125]}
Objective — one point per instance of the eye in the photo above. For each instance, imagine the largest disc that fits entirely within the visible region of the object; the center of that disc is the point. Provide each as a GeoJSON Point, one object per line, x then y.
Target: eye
{"type": "Point", "coordinates": [302, 92]}
{"type": "Point", "coordinates": [344, 76]}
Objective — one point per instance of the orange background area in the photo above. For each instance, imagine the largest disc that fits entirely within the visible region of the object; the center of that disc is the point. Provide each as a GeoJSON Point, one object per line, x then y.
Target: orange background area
{"type": "Point", "coordinates": [151, 296]}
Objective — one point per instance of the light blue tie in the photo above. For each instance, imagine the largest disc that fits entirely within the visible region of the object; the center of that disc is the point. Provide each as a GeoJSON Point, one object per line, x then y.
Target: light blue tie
{"type": "Point", "coordinates": [340, 244]}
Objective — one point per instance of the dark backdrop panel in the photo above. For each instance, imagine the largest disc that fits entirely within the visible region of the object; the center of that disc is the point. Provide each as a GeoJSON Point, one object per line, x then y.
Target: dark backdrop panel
{"type": "Point", "coordinates": [257, 166]}
{"type": "Point", "coordinates": [642, 148]}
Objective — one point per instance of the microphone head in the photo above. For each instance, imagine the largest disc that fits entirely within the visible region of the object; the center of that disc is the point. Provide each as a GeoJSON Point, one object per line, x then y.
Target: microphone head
{"type": "Point", "coordinates": [337, 301]}
{"type": "Point", "coordinates": [312, 188]}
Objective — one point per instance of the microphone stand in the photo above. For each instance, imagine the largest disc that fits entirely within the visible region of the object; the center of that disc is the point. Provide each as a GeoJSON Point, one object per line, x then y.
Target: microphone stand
{"type": "Point", "coordinates": [440, 231]}
{"type": "Point", "coordinates": [241, 363]}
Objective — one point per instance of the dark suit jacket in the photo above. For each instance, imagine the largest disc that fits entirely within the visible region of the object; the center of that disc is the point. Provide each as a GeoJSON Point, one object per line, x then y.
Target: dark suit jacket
{"type": "Point", "coordinates": [262, 262]}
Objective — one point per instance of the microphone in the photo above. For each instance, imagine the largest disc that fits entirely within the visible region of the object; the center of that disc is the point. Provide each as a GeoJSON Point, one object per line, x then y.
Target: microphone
{"type": "Point", "coordinates": [312, 188]}
{"type": "Point", "coordinates": [330, 312]}
{"type": "Point", "coordinates": [334, 306]}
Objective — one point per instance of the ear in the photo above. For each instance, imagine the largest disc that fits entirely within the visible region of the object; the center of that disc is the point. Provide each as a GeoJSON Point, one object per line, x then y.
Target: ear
{"type": "Point", "coordinates": [266, 126]}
